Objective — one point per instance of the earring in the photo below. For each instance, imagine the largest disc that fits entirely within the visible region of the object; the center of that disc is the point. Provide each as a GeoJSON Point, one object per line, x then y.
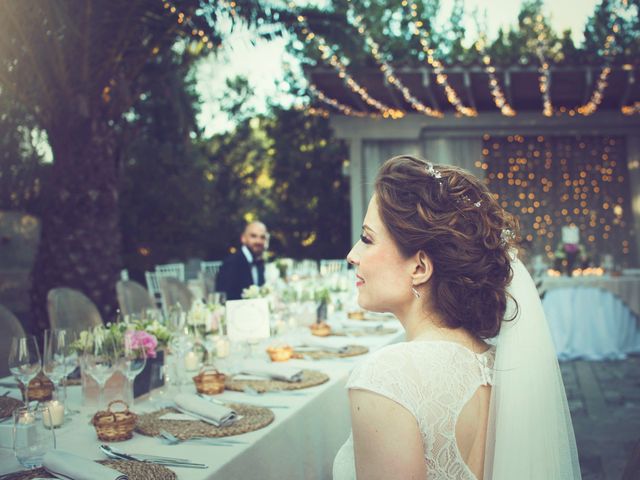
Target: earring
{"type": "Point", "coordinates": [415, 292]}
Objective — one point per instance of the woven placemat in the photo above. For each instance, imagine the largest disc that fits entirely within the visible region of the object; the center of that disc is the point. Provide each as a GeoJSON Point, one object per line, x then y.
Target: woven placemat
{"type": "Point", "coordinates": [253, 418]}
{"type": "Point", "coordinates": [8, 405]}
{"type": "Point", "coordinates": [351, 351]}
{"type": "Point", "coordinates": [134, 470]}
{"type": "Point", "coordinates": [310, 378]}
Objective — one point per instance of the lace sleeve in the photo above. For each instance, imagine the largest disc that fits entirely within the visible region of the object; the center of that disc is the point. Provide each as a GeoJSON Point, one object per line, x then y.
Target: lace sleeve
{"type": "Point", "coordinates": [387, 372]}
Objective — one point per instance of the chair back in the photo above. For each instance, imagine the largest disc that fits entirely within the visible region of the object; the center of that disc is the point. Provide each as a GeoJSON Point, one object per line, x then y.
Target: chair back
{"type": "Point", "coordinates": [174, 292]}
{"type": "Point", "coordinates": [133, 298]}
{"type": "Point", "coordinates": [71, 309]}
{"type": "Point", "coordinates": [211, 268]}
{"type": "Point", "coordinates": [209, 274]}
{"type": "Point", "coordinates": [10, 327]}
{"type": "Point", "coordinates": [327, 267]}
{"type": "Point", "coordinates": [153, 287]}
{"type": "Point", "coordinates": [175, 270]}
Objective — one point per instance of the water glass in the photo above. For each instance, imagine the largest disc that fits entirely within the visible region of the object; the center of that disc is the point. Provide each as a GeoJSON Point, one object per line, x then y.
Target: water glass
{"type": "Point", "coordinates": [24, 361]}
{"type": "Point", "coordinates": [31, 436]}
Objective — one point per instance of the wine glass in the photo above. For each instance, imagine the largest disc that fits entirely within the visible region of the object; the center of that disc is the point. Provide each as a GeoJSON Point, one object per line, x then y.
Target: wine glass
{"type": "Point", "coordinates": [132, 361]}
{"type": "Point", "coordinates": [57, 352]}
{"type": "Point", "coordinates": [24, 361]}
{"type": "Point", "coordinates": [100, 361]}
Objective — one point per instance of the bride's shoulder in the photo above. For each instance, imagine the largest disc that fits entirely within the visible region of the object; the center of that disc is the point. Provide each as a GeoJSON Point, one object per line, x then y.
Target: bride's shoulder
{"type": "Point", "coordinates": [409, 356]}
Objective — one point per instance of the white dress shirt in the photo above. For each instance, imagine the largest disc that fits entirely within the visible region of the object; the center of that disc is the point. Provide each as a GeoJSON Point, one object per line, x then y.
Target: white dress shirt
{"type": "Point", "coordinates": [254, 268]}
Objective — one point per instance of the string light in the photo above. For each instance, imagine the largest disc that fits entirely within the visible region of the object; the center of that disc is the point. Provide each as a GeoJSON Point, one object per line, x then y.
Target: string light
{"type": "Point", "coordinates": [313, 111]}
{"type": "Point", "coordinates": [337, 105]}
{"type": "Point", "coordinates": [591, 106]}
{"type": "Point", "coordinates": [335, 62]}
{"type": "Point", "coordinates": [557, 181]}
{"type": "Point", "coordinates": [544, 80]}
{"type": "Point", "coordinates": [183, 19]}
{"type": "Point", "coordinates": [388, 72]}
{"type": "Point", "coordinates": [441, 77]}
{"type": "Point", "coordinates": [631, 109]}
{"type": "Point", "coordinates": [499, 98]}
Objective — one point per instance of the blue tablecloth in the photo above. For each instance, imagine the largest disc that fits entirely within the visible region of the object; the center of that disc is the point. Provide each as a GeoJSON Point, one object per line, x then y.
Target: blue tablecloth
{"type": "Point", "coordinates": [590, 323]}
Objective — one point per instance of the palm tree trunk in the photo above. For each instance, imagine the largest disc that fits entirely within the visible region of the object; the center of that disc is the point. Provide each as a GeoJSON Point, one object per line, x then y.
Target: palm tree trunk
{"type": "Point", "coordinates": [80, 245]}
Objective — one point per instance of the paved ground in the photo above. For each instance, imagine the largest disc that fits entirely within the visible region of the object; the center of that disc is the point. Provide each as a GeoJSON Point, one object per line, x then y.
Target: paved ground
{"type": "Point", "coordinates": [604, 399]}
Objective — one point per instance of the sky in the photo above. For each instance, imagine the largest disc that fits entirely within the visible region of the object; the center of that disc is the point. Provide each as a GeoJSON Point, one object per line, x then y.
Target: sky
{"type": "Point", "coordinates": [262, 62]}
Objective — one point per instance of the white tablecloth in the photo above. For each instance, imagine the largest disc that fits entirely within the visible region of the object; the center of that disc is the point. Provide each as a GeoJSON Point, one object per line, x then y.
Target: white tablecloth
{"type": "Point", "coordinates": [300, 444]}
{"type": "Point", "coordinates": [625, 287]}
{"type": "Point", "coordinates": [590, 323]}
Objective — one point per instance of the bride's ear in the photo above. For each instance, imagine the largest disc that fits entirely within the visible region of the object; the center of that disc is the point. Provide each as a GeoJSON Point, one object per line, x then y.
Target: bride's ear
{"type": "Point", "coordinates": [422, 270]}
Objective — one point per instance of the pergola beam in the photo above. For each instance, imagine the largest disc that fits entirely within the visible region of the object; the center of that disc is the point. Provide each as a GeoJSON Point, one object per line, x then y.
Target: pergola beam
{"type": "Point", "coordinates": [507, 86]}
{"type": "Point", "coordinates": [426, 81]}
{"type": "Point", "coordinates": [631, 79]}
{"type": "Point", "coordinates": [588, 85]}
{"type": "Point", "coordinates": [392, 93]}
{"type": "Point", "coordinates": [467, 86]}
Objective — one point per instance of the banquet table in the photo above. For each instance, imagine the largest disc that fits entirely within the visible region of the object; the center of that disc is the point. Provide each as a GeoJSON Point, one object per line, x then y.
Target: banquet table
{"type": "Point", "coordinates": [593, 318]}
{"type": "Point", "coordinates": [301, 442]}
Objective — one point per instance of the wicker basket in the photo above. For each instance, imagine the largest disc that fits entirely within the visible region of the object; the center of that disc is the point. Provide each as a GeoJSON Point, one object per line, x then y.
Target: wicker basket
{"type": "Point", "coordinates": [40, 388]}
{"type": "Point", "coordinates": [321, 329]}
{"type": "Point", "coordinates": [280, 354]}
{"type": "Point", "coordinates": [210, 381]}
{"type": "Point", "coordinates": [112, 426]}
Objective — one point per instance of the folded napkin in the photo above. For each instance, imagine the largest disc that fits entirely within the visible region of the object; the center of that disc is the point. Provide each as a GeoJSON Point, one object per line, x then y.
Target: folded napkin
{"type": "Point", "coordinates": [219, 415]}
{"type": "Point", "coordinates": [68, 465]}
{"type": "Point", "coordinates": [285, 373]}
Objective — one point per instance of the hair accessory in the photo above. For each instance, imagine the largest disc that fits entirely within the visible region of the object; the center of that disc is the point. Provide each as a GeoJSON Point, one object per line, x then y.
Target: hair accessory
{"type": "Point", "coordinates": [415, 292]}
{"type": "Point", "coordinates": [507, 236]}
{"type": "Point", "coordinates": [431, 171]}
{"type": "Point", "coordinates": [477, 204]}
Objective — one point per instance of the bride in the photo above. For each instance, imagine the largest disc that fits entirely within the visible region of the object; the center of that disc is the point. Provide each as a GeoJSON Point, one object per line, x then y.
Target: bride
{"type": "Point", "coordinates": [475, 392]}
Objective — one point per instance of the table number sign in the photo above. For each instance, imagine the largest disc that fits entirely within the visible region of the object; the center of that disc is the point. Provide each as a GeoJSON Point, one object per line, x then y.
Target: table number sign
{"type": "Point", "coordinates": [248, 319]}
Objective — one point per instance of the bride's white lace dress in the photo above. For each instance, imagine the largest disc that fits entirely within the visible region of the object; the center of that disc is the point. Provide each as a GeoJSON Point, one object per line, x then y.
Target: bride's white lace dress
{"type": "Point", "coordinates": [433, 380]}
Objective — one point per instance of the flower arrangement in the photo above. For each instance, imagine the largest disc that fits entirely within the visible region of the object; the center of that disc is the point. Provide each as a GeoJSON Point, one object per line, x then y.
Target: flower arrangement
{"type": "Point", "coordinates": [145, 333]}
{"type": "Point", "coordinates": [141, 340]}
{"type": "Point", "coordinates": [255, 291]}
{"type": "Point", "coordinates": [567, 256]}
{"type": "Point", "coordinates": [205, 318]}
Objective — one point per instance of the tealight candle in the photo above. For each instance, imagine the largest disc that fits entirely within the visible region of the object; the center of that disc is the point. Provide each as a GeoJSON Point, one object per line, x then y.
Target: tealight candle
{"type": "Point", "coordinates": [56, 414]}
{"type": "Point", "coordinates": [191, 361]}
{"type": "Point", "coordinates": [222, 347]}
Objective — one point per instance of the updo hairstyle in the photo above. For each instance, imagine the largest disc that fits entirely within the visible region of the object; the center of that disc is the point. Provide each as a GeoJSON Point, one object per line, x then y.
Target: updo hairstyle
{"type": "Point", "coordinates": [450, 214]}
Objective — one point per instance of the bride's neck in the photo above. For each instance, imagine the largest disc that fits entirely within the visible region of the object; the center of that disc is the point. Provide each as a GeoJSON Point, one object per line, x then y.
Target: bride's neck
{"type": "Point", "coordinates": [419, 322]}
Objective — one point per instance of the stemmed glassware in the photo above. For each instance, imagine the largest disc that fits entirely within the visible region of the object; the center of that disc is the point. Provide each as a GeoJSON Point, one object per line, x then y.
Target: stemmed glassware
{"type": "Point", "coordinates": [57, 356]}
{"type": "Point", "coordinates": [100, 361]}
{"type": "Point", "coordinates": [24, 361]}
{"type": "Point", "coordinates": [132, 361]}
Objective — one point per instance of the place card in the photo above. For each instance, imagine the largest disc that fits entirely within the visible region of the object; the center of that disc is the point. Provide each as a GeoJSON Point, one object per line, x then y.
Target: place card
{"type": "Point", "coordinates": [248, 319]}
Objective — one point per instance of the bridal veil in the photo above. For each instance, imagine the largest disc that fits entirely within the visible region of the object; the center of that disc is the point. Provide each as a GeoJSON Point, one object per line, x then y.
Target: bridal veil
{"type": "Point", "coordinates": [530, 434]}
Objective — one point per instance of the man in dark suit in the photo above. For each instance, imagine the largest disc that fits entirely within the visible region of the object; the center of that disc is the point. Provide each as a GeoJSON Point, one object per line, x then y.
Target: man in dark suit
{"type": "Point", "coordinates": [246, 266]}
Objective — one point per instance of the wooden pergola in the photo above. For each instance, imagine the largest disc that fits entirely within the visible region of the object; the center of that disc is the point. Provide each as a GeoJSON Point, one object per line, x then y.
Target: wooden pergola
{"type": "Point", "coordinates": [456, 139]}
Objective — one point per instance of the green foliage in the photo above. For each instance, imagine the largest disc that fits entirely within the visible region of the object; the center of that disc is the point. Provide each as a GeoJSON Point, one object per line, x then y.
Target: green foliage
{"type": "Point", "coordinates": [21, 161]}
{"type": "Point", "coordinates": [310, 190]}
{"type": "Point", "coordinates": [389, 23]}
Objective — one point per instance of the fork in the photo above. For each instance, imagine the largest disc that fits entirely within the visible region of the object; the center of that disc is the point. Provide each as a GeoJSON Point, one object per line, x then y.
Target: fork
{"type": "Point", "coordinates": [173, 440]}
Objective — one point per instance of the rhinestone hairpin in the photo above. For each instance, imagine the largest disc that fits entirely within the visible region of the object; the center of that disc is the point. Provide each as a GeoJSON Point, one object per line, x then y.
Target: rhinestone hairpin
{"type": "Point", "coordinates": [507, 236]}
{"type": "Point", "coordinates": [432, 172]}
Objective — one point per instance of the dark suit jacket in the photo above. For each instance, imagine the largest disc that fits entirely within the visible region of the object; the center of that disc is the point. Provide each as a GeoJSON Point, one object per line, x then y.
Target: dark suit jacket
{"type": "Point", "coordinates": [235, 275]}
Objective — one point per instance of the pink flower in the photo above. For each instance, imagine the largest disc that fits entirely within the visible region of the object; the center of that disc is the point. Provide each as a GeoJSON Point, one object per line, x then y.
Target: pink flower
{"type": "Point", "coordinates": [135, 339]}
{"type": "Point", "coordinates": [570, 247]}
